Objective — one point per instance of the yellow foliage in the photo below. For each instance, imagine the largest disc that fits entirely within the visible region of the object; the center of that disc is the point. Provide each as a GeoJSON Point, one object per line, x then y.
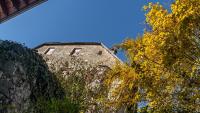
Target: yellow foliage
{"type": "Point", "coordinates": [163, 66]}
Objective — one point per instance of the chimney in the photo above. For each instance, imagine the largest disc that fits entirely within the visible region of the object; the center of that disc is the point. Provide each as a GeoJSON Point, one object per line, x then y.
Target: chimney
{"type": "Point", "coordinates": [114, 49]}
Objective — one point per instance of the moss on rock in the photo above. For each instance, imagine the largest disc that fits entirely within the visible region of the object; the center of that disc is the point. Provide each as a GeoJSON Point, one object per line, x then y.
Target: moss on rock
{"type": "Point", "coordinates": [24, 78]}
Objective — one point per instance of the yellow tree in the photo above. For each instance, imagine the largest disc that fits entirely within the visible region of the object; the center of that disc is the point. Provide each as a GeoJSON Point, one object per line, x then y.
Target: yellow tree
{"type": "Point", "coordinates": [163, 67]}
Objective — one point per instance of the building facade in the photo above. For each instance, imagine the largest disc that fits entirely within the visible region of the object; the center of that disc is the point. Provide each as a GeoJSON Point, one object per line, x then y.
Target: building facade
{"type": "Point", "coordinates": [89, 60]}
{"type": "Point", "coordinates": [92, 52]}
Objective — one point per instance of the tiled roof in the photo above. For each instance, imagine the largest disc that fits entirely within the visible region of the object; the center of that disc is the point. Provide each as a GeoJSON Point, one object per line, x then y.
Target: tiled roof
{"type": "Point", "coordinates": [10, 8]}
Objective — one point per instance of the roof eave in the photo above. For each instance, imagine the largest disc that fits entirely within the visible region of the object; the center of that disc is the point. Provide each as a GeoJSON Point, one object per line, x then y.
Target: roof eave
{"type": "Point", "coordinates": [22, 10]}
{"type": "Point", "coordinates": [67, 43]}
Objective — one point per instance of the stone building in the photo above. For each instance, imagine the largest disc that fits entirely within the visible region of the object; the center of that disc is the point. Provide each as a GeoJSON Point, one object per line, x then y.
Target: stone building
{"type": "Point", "coordinates": [81, 57]}
{"type": "Point", "coordinates": [92, 52]}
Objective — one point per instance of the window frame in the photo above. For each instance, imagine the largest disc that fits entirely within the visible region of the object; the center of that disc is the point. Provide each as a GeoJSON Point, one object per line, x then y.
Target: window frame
{"type": "Point", "coordinates": [48, 50]}
{"type": "Point", "coordinates": [73, 52]}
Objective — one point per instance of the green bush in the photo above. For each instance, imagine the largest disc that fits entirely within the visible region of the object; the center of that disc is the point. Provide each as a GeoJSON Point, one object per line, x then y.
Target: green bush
{"type": "Point", "coordinates": [56, 106]}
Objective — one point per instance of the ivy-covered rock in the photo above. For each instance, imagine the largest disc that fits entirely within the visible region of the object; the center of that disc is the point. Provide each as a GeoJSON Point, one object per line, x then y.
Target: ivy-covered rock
{"type": "Point", "coordinates": [24, 78]}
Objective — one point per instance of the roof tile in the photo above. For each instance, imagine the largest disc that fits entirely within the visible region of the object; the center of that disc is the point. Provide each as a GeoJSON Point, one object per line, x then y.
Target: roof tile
{"type": "Point", "coordinates": [10, 8]}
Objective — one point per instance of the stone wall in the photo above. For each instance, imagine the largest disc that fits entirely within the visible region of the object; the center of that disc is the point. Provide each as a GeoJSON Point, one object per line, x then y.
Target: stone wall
{"type": "Point", "coordinates": [93, 54]}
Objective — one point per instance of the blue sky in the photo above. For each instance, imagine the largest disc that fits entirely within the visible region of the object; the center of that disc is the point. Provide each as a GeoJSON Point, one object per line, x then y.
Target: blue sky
{"type": "Point", "coordinates": [106, 21]}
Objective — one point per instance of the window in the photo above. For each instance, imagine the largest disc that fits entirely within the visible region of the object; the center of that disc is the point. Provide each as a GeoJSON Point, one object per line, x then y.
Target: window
{"type": "Point", "coordinates": [75, 51]}
{"type": "Point", "coordinates": [49, 51]}
{"type": "Point", "coordinates": [100, 53]}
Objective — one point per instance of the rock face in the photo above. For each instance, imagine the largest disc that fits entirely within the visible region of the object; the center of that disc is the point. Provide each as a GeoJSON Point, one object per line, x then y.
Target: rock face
{"type": "Point", "coordinates": [24, 78]}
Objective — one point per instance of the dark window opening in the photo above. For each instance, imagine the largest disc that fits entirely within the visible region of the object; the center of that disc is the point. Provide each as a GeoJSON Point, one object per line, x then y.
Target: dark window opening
{"type": "Point", "coordinates": [49, 51]}
{"type": "Point", "coordinates": [75, 51]}
{"type": "Point", "coordinates": [100, 52]}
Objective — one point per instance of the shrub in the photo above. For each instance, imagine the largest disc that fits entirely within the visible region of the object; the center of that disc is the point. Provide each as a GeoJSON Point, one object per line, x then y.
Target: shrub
{"type": "Point", "coordinates": [56, 106]}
